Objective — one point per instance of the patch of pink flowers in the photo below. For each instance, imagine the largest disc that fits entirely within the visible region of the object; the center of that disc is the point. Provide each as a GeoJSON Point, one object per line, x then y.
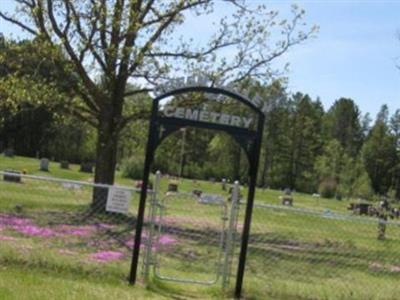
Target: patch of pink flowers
{"type": "Point", "coordinates": [10, 220]}
{"type": "Point", "coordinates": [166, 240]}
{"type": "Point", "coordinates": [24, 226]}
{"type": "Point", "coordinates": [75, 230]}
{"type": "Point", "coordinates": [66, 251]}
{"type": "Point", "coordinates": [34, 230]}
{"type": "Point", "coordinates": [106, 256]}
{"type": "Point", "coordinates": [27, 227]}
{"type": "Point", "coordinates": [7, 238]}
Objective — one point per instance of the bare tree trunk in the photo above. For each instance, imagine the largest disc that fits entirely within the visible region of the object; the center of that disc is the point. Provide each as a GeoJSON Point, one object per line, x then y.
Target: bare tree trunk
{"type": "Point", "coordinates": [106, 157]}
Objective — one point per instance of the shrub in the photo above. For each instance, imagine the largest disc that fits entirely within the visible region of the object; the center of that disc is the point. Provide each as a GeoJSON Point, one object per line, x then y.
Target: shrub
{"type": "Point", "coordinates": [362, 187]}
{"type": "Point", "coordinates": [327, 188]}
{"type": "Point", "coordinates": [132, 168]}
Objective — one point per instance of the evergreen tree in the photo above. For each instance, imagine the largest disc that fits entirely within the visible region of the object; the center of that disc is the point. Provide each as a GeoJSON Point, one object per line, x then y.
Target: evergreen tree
{"type": "Point", "coordinates": [305, 141]}
{"type": "Point", "coordinates": [379, 153]}
{"type": "Point", "coordinates": [342, 122]}
{"type": "Point", "coordinates": [395, 129]}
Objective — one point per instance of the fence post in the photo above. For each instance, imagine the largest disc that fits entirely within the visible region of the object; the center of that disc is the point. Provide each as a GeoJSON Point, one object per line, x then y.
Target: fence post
{"type": "Point", "coordinates": [226, 270]}
{"type": "Point", "coordinates": [149, 244]}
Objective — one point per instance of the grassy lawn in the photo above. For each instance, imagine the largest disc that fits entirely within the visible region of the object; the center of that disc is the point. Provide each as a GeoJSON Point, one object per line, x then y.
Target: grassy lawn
{"type": "Point", "coordinates": [51, 248]}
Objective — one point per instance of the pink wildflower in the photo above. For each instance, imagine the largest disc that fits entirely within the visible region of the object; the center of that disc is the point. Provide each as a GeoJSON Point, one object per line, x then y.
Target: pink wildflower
{"type": "Point", "coordinates": [7, 238]}
{"type": "Point", "coordinates": [166, 240]}
{"type": "Point", "coordinates": [75, 230]}
{"type": "Point", "coordinates": [66, 251]}
{"type": "Point", "coordinates": [105, 256]}
{"type": "Point", "coordinates": [33, 230]}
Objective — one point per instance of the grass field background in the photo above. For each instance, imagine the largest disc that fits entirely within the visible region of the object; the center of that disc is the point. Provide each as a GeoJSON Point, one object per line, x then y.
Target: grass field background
{"type": "Point", "coordinates": [315, 250]}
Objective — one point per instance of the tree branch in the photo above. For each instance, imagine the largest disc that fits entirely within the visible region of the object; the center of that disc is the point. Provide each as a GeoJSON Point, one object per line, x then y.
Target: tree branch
{"type": "Point", "coordinates": [18, 23]}
{"type": "Point", "coordinates": [87, 39]}
{"type": "Point", "coordinates": [135, 92]}
{"type": "Point", "coordinates": [142, 114]}
{"type": "Point", "coordinates": [65, 41]}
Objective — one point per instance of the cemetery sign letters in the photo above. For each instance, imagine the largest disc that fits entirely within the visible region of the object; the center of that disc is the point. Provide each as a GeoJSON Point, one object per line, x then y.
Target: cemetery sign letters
{"type": "Point", "coordinates": [207, 116]}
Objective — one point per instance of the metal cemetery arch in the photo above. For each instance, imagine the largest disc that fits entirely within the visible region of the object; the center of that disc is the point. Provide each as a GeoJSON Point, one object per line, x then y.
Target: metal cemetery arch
{"type": "Point", "coordinates": [249, 140]}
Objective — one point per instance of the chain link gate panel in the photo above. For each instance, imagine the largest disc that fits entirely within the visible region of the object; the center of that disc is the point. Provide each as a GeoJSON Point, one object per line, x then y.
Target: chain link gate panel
{"type": "Point", "coordinates": [190, 238]}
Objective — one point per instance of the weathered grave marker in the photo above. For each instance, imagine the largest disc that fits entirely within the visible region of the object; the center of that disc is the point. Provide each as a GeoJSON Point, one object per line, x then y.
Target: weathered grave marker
{"type": "Point", "coordinates": [197, 193]}
{"type": "Point", "coordinates": [12, 176]}
{"type": "Point", "coordinates": [86, 167]}
{"type": "Point", "coordinates": [211, 199]}
{"type": "Point", "coordinates": [64, 164]}
{"type": "Point", "coordinates": [287, 198]}
{"type": "Point", "coordinates": [172, 187]}
{"type": "Point", "coordinates": [9, 152]}
{"type": "Point", "coordinates": [44, 164]}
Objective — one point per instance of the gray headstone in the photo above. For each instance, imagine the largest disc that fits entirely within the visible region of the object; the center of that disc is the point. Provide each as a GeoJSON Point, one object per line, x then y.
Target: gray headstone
{"type": "Point", "coordinates": [223, 183]}
{"type": "Point", "coordinates": [211, 199]}
{"type": "Point", "coordinates": [44, 164]}
{"type": "Point", "coordinates": [172, 187]}
{"type": "Point", "coordinates": [87, 167]}
{"type": "Point", "coordinates": [9, 152]}
{"type": "Point", "coordinates": [12, 176]}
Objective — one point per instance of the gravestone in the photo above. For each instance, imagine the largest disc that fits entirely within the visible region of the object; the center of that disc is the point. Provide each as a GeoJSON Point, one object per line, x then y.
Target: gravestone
{"type": "Point", "coordinates": [211, 199]}
{"type": "Point", "coordinates": [223, 184]}
{"type": "Point", "coordinates": [172, 187]}
{"type": "Point", "coordinates": [362, 209]}
{"type": "Point", "coordinates": [64, 164]}
{"type": "Point", "coordinates": [287, 198]}
{"type": "Point", "coordinates": [9, 152]}
{"type": "Point", "coordinates": [44, 164]}
{"type": "Point", "coordinates": [86, 167]}
{"type": "Point", "coordinates": [197, 193]}
{"type": "Point", "coordinates": [12, 176]}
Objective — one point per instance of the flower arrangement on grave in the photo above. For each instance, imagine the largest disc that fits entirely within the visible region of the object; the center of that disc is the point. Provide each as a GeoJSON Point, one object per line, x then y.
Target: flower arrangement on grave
{"type": "Point", "coordinates": [287, 198]}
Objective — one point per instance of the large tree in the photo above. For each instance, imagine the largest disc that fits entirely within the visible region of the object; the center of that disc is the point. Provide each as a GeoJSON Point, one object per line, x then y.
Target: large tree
{"type": "Point", "coordinates": [110, 42]}
{"type": "Point", "coordinates": [305, 141]}
{"type": "Point", "coordinates": [343, 123]}
{"type": "Point", "coordinates": [379, 153]}
{"type": "Point", "coordinates": [32, 93]}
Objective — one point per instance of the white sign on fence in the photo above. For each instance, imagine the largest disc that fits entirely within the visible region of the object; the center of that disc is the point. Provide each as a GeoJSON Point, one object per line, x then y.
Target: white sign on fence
{"type": "Point", "coordinates": [118, 200]}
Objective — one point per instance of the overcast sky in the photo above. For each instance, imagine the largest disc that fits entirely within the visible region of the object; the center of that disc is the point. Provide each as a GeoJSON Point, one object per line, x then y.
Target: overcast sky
{"type": "Point", "coordinates": [354, 55]}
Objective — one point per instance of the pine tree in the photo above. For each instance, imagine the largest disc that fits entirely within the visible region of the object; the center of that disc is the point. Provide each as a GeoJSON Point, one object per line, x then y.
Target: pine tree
{"type": "Point", "coordinates": [379, 154]}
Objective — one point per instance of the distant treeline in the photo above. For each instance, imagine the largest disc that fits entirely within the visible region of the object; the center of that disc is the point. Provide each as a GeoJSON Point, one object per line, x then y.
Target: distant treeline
{"type": "Point", "coordinates": [338, 153]}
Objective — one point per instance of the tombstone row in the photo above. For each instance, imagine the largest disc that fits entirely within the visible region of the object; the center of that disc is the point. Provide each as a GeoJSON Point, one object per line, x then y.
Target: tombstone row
{"type": "Point", "coordinates": [86, 167]}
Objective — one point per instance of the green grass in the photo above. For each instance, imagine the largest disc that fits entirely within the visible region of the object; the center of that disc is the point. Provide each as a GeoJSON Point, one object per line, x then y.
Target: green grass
{"type": "Point", "coordinates": [292, 254]}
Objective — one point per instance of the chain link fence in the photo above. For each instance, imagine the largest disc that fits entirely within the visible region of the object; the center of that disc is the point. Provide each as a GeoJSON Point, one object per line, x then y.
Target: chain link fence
{"type": "Point", "coordinates": [305, 254]}
{"type": "Point", "coordinates": [191, 238]}
{"type": "Point", "coordinates": [293, 253]}
{"type": "Point", "coordinates": [67, 225]}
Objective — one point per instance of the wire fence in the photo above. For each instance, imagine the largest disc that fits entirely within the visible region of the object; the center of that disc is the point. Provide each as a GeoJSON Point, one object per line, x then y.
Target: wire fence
{"type": "Point", "coordinates": [299, 253]}
{"type": "Point", "coordinates": [192, 237]}
{"type": "Point", "coordinates": [293, 253]}
{"type": "Point", "coordinates": [65, 224]}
